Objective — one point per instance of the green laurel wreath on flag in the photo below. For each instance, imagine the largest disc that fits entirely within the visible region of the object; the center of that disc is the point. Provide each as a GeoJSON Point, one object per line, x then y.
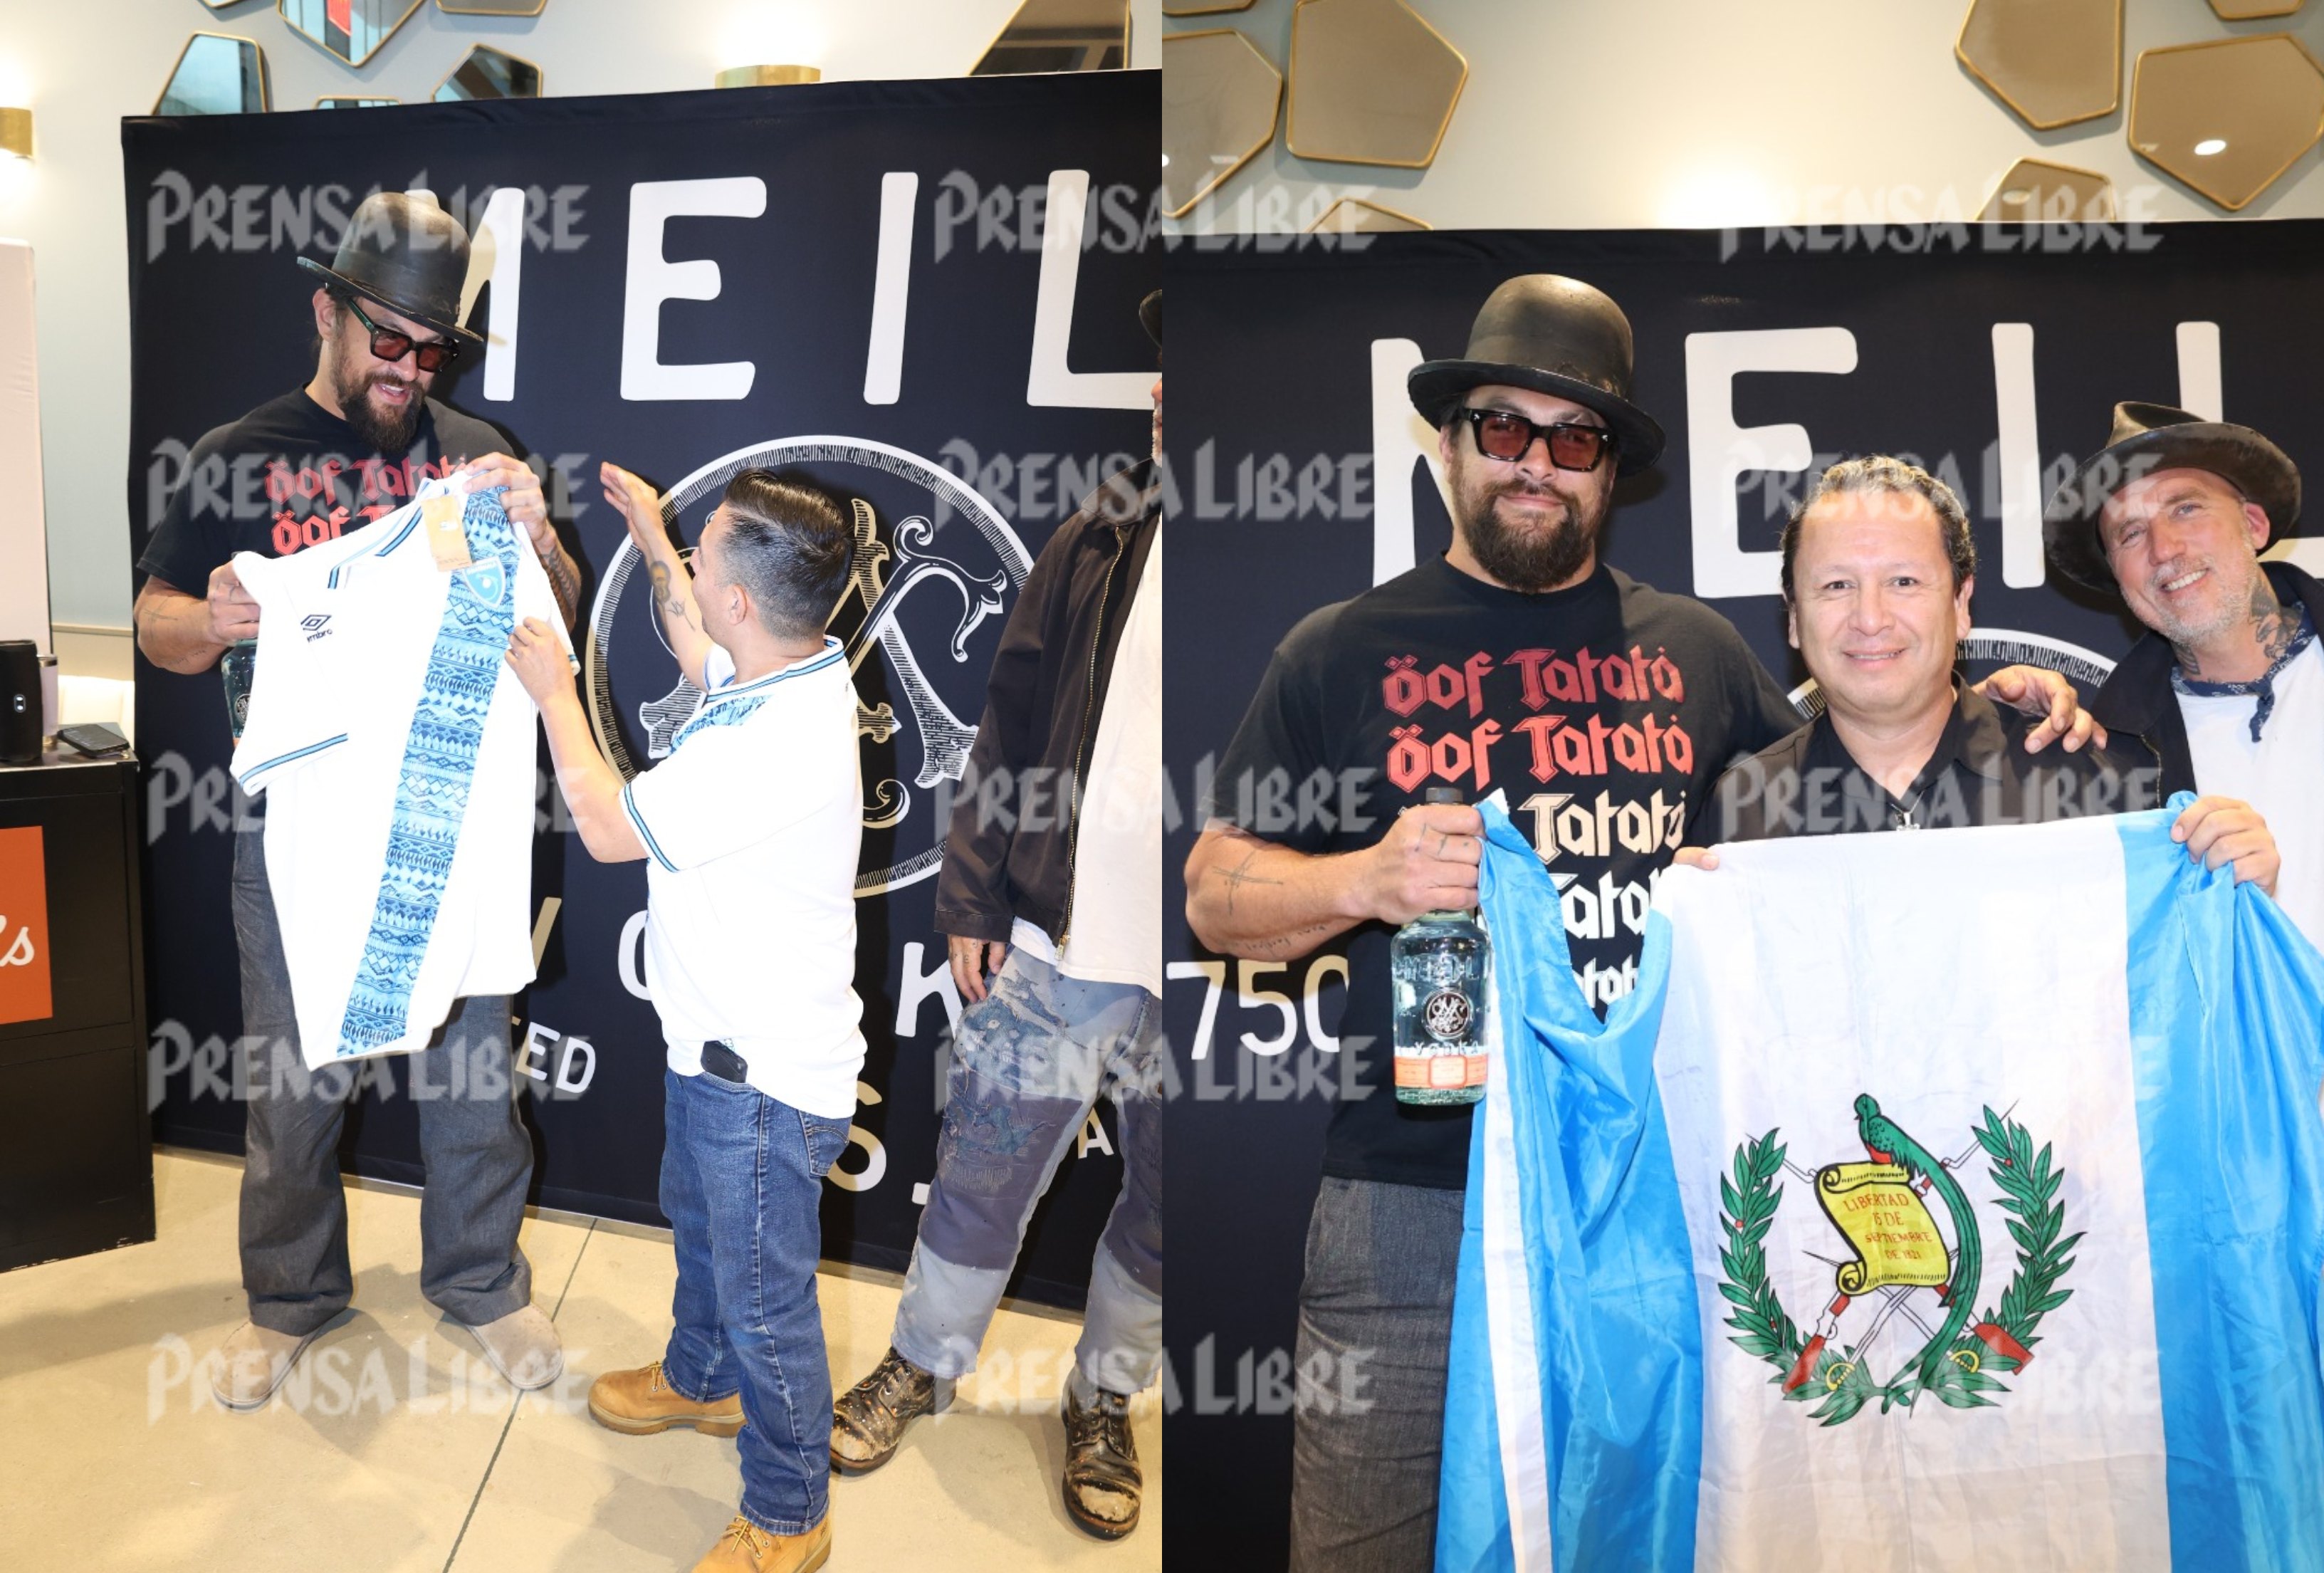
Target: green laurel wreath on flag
{"type": "Point", "coordinates": [1836, 1381]}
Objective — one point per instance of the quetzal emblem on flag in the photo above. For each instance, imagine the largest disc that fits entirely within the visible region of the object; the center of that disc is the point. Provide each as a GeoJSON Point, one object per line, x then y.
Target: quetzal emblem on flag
{"type": "Point", "coordinates": [1904, 1320]}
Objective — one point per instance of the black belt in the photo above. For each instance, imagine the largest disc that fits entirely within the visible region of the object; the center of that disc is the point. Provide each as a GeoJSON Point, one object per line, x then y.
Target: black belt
{"type": "Point", "coordinates": [719, 1059]}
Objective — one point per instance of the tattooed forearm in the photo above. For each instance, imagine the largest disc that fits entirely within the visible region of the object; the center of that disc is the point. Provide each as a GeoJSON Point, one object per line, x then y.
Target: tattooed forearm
{"type": "Point", "coordinates": [564, 583]}
{"type": "Point", "coordinates": [1296, 943]}
{"type": "Point", "coordinates": [672, 606]}
{"type": "Point", "coordinates": [1240, 876]}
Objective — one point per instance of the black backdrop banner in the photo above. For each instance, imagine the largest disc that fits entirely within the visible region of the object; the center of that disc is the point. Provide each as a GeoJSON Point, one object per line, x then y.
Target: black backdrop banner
{"type": "Point", "coordinates": [1993, 356]}
{"type": "Point", "coordinates": [922, 293]}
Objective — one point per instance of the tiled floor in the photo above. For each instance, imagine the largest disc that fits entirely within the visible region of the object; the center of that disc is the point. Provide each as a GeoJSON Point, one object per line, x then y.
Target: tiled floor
{"type": "Point", "coordinates": [394, 1446]}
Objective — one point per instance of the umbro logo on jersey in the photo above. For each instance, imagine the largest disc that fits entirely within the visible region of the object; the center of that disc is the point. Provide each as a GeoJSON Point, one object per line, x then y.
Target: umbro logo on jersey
{"type": "Point", "coordinates": [314, 625]}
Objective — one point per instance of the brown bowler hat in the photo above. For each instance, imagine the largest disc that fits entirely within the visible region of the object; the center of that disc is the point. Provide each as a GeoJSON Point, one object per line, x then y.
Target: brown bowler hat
{"type": "Point", "coordinates": [2148, 437]}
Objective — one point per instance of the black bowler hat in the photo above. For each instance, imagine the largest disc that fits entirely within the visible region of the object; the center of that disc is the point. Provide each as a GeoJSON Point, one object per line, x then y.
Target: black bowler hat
{"type": "Point", "coordinates": [408, 254]}
{"type": "Point", "coordinates": [2148, 437]}
{"type": "Point", "coordinates": [1149, 316]}
{"type": "Point", "coordinates": [1556, 336]}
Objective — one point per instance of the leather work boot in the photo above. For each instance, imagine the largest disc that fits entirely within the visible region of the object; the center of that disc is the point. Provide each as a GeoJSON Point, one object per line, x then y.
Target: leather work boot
{"type": "Point", "coordinates": [640, 1403]}
{"type": "Point", "coordinates": [252, 1363]}
{"type": "Point", "coordinates": [867, 1420]}
{"type": "Point", "coordinates": [745, 1548]}
{"type": "Point", "coordinates": [522, 1346]}
{"type": "Point", "coordinates": [1102, 1477]}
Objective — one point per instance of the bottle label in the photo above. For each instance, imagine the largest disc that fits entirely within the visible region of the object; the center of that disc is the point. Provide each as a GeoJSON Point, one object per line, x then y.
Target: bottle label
{"type": "Point", "coordinates": [1440, 1072]}
{"type": "Point", "coordinates": [1445, 1016]}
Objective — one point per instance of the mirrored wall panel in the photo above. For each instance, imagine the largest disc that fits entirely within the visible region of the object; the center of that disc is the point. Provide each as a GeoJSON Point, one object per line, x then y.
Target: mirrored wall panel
{"type": "Point", "coordinates": [489, 73]}
{"type": "Point", "coordinates": [1060, 35]}
{"type": "Point", "coordinates": [216, 74]}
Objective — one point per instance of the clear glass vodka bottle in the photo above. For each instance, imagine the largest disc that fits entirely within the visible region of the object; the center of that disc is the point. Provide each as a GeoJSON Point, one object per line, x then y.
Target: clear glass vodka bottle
{"type": "Point", "coordinates": [1436, 965]}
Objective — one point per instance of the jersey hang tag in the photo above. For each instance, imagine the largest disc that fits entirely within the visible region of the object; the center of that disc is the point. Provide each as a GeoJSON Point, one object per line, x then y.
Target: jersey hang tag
{"type": "Point", "coordinates": [447, 533]}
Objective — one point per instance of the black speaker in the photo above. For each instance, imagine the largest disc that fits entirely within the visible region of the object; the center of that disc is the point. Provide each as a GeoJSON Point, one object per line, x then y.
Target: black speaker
{"type": "Point", "coordinates": [20, 702]}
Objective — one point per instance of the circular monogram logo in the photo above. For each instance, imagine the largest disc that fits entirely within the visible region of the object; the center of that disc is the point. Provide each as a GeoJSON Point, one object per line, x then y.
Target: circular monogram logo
{"type": "Point", "coordinates": [935, 572]}
{"type": "Point", "coordinates": [1444, 1015]}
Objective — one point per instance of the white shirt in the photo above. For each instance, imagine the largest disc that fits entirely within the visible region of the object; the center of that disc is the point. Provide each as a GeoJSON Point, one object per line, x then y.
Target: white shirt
{"type": "Point", "coordinates": [2278, 775]}
{"type": "Point", "coordinates": [1114, 932]}
{"type": "Point", "coordinates": [395, 750]}
{"type": "Point", "coordinates": [753, 826]}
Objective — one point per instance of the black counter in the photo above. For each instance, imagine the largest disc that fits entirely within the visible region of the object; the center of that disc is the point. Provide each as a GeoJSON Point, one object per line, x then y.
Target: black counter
{"type": "Point", "coordinates": [75, 1142]}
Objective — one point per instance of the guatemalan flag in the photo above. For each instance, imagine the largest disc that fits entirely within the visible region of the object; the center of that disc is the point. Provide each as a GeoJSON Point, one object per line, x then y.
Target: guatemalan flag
{"type": "Point", "coordinates": [1950, 1200]}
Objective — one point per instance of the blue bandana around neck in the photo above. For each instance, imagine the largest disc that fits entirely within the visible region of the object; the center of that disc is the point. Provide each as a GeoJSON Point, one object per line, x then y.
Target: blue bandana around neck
{"type": "Point", "coordinates": [2262, 685]}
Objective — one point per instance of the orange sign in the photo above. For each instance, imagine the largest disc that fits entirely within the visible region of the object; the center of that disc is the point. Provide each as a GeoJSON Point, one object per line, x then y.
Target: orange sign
{"type": "Point", "coordinates": [24, 927]}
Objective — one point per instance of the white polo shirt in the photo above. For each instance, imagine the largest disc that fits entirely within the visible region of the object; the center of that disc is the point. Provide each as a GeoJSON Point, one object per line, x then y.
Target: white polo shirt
{"type": "Point", "coordinates": [752, 827]}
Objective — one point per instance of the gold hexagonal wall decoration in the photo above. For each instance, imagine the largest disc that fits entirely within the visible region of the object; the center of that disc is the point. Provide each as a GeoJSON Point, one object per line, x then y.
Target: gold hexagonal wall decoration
{"type": "Point", "coordinates": [1202, 7]}
{"type": "Point", "coordinates": [1372, 83]}
{"type": "Point", "coordinates": [2246, 10]}
{"type": "Point", "coordinates": [216, 73]}
{"type": "Point", "coordinates": [348, 31]}
{"type": "Point", "coordinates": [2228, 116]}
{"type": "Point", "coordinates": [2037, 192]}
{"type": "Point", "coordinates": [492, 7]}
{"type": "Point", "coordinates": [1218, 100]}
{"type": "Point", "coordinates": [2052, 62]}
{"type": "Point", "coordinates": [1355, 216]}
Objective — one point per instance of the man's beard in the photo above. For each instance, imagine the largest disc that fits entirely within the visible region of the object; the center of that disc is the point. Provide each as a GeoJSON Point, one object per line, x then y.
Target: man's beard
{"type": "Point", "coordinates": [387, 435]}
{"type": "Point", "coordinates": [1532, 559]}
{"type": "Point", "coordinates": [2234, 604]}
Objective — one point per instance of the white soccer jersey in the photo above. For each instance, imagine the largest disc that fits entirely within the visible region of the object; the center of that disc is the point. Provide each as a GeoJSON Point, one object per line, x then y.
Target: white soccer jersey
{"type": "Point", "coordinates": [394, 747]}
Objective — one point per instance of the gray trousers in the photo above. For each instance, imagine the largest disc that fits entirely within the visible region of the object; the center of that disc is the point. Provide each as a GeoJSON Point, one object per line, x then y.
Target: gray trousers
{"type": "Point", "coordinates": [294, 1207]}
{"type": "Point", "coordinates": [1377, 1300]}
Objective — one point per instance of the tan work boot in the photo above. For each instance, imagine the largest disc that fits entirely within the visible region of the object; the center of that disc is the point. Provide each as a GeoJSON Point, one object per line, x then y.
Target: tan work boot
{"type": "Point", "coordinates": [641, 1402]}
{"type": "Point", "coordinates": [745, 1548]}
{"type": "Point", "coordinates": [522, 1346]}
{"type": "Point", "coordinates": [252, 1363]}
{"type": "Point", "coordinates": [868, 1420]}
{"type": "Point", "coordinates": [1102, 1477]}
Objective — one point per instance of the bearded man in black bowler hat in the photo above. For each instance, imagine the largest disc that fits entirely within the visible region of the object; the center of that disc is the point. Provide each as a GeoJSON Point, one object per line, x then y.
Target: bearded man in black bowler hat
{"type": "Point", "coordinates": [1516, 661]}
{"type": "Point", "coordinates": [300, 471]}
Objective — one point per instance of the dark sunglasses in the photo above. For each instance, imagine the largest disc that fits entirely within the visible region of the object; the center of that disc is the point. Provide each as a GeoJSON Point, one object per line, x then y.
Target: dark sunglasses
{"type": "Point", "coordinates": [1506, 436]}
{"type": "Point", "coordinates": [387, 343]}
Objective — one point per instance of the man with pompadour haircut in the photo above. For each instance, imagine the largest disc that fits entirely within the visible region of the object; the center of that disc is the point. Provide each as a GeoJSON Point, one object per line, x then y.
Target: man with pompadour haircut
{"type": "Point", "coordinates": [751, 830]}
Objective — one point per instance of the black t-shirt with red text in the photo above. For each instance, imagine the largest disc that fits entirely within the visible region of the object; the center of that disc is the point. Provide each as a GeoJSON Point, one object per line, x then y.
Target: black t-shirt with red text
{"type": "Point", "coordinates": [1603, 712]}
{"type": "Point", "coordinates": [291, 475]}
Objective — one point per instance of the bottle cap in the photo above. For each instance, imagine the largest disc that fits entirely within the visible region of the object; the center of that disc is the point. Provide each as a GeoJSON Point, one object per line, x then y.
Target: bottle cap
{"type": "Point", "coordinates": [1442, 794]}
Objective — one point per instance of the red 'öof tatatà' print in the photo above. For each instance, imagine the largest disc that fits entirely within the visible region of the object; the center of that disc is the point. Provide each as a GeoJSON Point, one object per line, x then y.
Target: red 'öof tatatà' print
{"type": "Point", "coordinates": [1556, 744]}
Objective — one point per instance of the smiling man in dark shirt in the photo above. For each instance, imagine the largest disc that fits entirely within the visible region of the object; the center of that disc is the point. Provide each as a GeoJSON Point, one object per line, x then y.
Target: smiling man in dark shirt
{"type": "Point", "coordinates": [1878, 568]}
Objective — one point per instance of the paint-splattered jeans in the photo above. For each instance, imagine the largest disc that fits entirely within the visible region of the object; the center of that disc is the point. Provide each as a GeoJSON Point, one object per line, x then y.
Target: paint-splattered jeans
{"type": "Point", "coordinates": [1029, 1063]}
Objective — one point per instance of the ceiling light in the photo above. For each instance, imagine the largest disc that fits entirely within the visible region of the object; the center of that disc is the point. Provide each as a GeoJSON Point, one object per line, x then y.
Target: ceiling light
{"type": "Point", "coordinates": [768, 76]}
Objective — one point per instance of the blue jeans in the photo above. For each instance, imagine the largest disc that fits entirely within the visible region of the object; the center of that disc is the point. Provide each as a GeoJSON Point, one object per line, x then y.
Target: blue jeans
{"type": "Point", "coordinates": [741, 1177]}
{"type": "Point", "coordinates": [1029, 1063]}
